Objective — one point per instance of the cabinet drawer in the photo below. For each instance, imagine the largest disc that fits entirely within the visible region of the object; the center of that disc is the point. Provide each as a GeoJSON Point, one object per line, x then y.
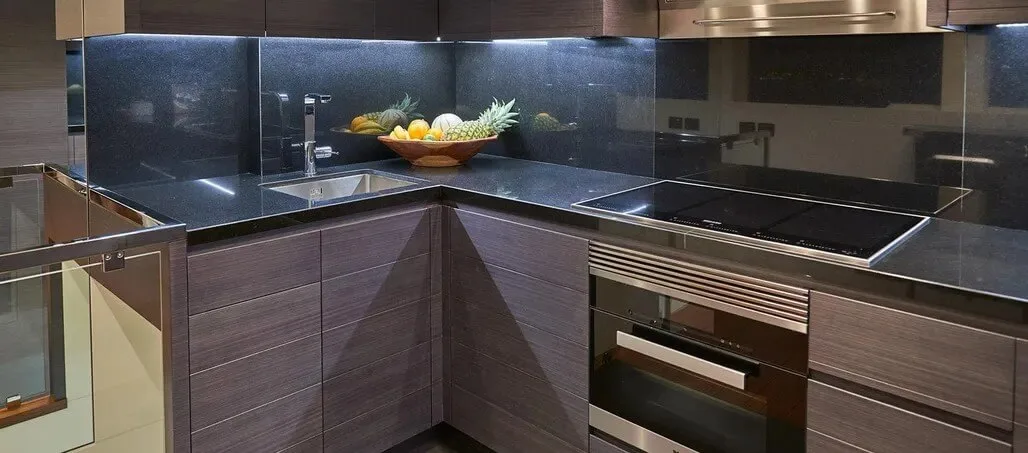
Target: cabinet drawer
{"type": "Point", "coordinates": [958, 369]}
{"type": "Point", "coordinates": [540, 304]}
{"type": "Point", "coordinates": [268, 429]}
{"type": "Point", "coordinates": [497, 429]}
{"type": "Point", "coordinates": [385, 381]}
{"type": "Point", "coordinates": [371, 243]}
{"type": "Point", "coordinates": [547, 255]}
{"type": "Point", "coordinates": [383, 428]}
{"type": "Point", "coordinates": [226, 276]}
{"type": "Point", "coordinates": [367, 293]}
{"type": "Point", "coordinates": [226, 334]}
{"type": "Point", "coordinates": [557, 361]}
{"type": "Point", "coordinates": [236, 387]}
{"type": "Point", "coordinates": [360, 343]}
{"type": "Point", "coordinates": [533, 400]}
{"type": "Point", "coordinates": [597, 445]}
{"type": "Point", "coordinates": [820, 443]}
{"type": "Point", "coordinates": [312, 445]}
{"type": "Point", "coordinates": [880, 428]}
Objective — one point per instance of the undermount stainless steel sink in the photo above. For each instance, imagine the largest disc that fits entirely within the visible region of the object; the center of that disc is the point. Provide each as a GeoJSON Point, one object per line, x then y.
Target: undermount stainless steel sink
{"type": "Point", "coordinates": [334, 187]}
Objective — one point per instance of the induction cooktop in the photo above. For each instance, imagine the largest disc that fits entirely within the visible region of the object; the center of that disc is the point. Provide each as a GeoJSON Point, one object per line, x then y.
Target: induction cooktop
{"type": "Point", "coordinates": [846, 234]}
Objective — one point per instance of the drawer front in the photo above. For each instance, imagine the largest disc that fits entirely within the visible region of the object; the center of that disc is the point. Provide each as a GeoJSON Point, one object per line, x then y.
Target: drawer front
{"type": "Point", "coordinates": [236, 387]}
{"type": "Point", "coordinates": [499, 430]}
{"type": "Point", "coordinates": [385, 381]}
{"type": "Point", "coordinates": [1020, 439]}
{"type": "Point", "coordinates": [369, 292]}
{"type": "Point", "coordinates": [820, 443]}
{"type": "Point", "coordinates": [546, 255]}
{"type": "Point", "coordinates": [958, 369]}
{"type": "Point", "coordinates": [268, 429]}
{"type": "Point", "coordinates": [1021, 390]}
{"type": "Point", "coordinates": [556, 361]}
{"type": "Point", "coordinates": [220, 336]}
{"type": "Point", "coordinates": [537, 402]}
{"type": "Point", "coordinates": [363, 245]}
{"type": "Point", "coordinates": [555, 309]}
{"type": "Point", "coordinates": [880, 428]}
{"type": "Point", "coordinates": [362, 342]}
{"type": "Point", "coordinates": [597, 445]}
{"type": "Point", "coordinates": [383, 428]}
{"type": "Point", "coordinates": [312, 445]}
{"type": "Point", "coordinates": [227, 276]}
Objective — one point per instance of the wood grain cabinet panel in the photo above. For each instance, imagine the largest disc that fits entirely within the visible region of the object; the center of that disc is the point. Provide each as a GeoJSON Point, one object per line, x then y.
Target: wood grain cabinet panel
{"type": "Point", "coordinates": [543, 18]}
{"type": "Point", "coordinates": [382, 428]}
{"type": "Point", "coordinates": [230, 333]}
{"type": "Point", "coordinates": [540, 304]}
{"type": "Point", "coordinates": [230, 275]}
{"type": "Point", "coordinates": [558, 362]}
{"type": "Point", "coordinates": [492, 19]}
{"type": "Point", "coordinates": [962, 370]}
{"type": "Point", "coordinates": [236, 387]}
{"type": "Point", "coordinates": [977, 12]}
{"type": "Point", "coordinates": [597, 445]}
{"type": "Point", "coordinates": [820, 443]}
{"type": "Point", "coordinates": [321, 18]}
{"type": "Point", "coordinates": [535, 401]}
{"type": "Point", "coordinates": [366, 293]}
{"type": "Point", "coordinates": [880, 428]}
{"type": "Point", "coordinates": [1020, 439]}
{"type": "Point", "coordinates": [385, 381]}
{"type": "Point", "coordinates": [375, 242]}
{"type": "Point", "coordinates": [1021, 384]}
{"type": "Point", "coordinates": [312, 445]}
{"type": "Point", "coordinates": [546, 255]}
{"type": "Point", "coordinates": [465, 19]}
{"type": "Point", "coordinates": [202, 17]}
{"type": "Point", "coordinates": [359, 343]}
{"type": "Point", "coordinates": [407, 19]}
{"type": "Point", "coordinates": [268, 429]}
{"type": "Point", "coordinates": [499, 430]}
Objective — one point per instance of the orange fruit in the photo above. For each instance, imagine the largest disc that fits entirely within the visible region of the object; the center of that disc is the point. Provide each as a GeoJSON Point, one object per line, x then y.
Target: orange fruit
{"type": "Point", "coordinates": [418, 129]}
{"type": "Point", "coordinates": [435, 132]}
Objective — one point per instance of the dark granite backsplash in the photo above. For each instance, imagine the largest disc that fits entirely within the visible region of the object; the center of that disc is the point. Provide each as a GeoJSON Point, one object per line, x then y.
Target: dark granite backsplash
{"type": "Point", "coordinates": [889, 107]}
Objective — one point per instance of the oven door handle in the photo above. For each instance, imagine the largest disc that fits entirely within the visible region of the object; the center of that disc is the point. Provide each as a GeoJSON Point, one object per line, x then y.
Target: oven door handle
{"type": "Point", "coordinates": [705, 368]}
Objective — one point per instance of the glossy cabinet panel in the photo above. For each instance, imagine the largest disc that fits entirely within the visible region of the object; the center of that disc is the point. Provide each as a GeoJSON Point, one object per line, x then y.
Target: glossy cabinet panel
{"type": "Point", "coordinates": [233, 332]}
{"type": "Point", "coordinates": [236, 273]}
{"type": "Point", "coordinates": [881, 428]}
{"type": "Point", "coordinates": [961, 370]}
{"type": "Point", "coordinates": [268, 429]}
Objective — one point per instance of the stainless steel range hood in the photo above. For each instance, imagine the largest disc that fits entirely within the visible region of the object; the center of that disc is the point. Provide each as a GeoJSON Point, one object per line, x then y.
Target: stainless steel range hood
{"type": "Point", "coordinates": [747, 18]}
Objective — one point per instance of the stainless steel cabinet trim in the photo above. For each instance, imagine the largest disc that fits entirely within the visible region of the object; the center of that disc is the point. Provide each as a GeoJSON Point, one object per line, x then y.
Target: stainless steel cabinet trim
{"type": "Point", "coordinates": [633, 434]}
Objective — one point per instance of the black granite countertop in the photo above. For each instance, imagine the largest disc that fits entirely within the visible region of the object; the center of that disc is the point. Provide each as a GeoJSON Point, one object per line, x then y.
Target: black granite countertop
{"type": "Point", "coordinates": [980, 259]}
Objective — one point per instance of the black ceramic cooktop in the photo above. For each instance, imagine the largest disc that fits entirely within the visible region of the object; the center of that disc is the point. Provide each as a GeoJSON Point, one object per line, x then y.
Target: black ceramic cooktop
{"type": "Point", "coordinates": [846, 231]}
{"type": "Point", "coordinates": [922, 199]}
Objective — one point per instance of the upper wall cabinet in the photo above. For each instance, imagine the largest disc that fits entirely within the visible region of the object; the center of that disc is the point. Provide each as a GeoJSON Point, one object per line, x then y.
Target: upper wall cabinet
{"type": "Point", "coordinates": [508, 19]}
{"type": "Point", "coordinates": [197, 17]}
{"type": "Point", "coordinates": [977, 12]}
{"type": "Point", "coordinates": [360, 19]}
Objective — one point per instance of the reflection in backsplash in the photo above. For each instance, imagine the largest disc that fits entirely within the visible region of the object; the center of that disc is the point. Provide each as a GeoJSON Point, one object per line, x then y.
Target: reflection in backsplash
{"type": "Point", "coordinates": [775, 114]}
{"type": "Point", "coordinates": [363, 78]}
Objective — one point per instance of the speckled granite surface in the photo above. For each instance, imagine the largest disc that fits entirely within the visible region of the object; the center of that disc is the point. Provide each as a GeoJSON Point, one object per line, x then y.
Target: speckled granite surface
{"type": "Point", "coordinates": [980, 259]}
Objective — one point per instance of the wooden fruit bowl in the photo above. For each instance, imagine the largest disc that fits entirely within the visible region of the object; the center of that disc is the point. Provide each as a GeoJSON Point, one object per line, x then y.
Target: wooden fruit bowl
{"type": "Point", "coordinates": [436, 154]}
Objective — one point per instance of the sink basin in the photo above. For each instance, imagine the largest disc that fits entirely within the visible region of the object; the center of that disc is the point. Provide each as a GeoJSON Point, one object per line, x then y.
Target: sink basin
{"type": "Point", "coordinates": [334, 187]}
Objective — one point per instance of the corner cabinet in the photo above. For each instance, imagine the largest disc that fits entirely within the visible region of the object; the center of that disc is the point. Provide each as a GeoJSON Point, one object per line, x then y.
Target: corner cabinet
{"type": "Point", "coordinates": [976, 12]}
{"type": "Point", "coordinates": [511, 19]}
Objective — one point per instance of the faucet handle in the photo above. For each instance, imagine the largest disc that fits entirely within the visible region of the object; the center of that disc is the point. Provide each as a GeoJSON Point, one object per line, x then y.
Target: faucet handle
{"type": "Point", "coordinates": [324, 152]}
{"type": "Point", "coordinates": [314, 98]}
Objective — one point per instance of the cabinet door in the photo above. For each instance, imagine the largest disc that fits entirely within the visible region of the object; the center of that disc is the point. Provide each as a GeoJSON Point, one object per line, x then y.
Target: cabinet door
{"type": "Point", "coordinates": [546, 18]}
{"type": "Point", "coordinates": [407, 19]}
{"type": "Point", "coordinates": [464, 19]}
{"type": "Point", "coordinates": [207, 17]}
{"type": "Point", "coordinates": [321, 18]}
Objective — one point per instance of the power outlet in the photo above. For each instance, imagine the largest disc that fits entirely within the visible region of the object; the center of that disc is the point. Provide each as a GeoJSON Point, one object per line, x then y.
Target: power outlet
{"type": "Point", "coordinates": [675, 122]}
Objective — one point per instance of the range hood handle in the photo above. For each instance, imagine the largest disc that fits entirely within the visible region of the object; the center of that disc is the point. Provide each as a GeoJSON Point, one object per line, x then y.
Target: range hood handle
{"type": "Point", "coordinates": [710, 22]}
{"type": "Point", "coordinates": [707, 369]}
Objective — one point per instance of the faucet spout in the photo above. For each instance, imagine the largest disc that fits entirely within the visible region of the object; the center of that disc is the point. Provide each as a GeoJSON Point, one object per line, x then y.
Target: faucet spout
{"type": "Point", "coordinates": [311, 150]}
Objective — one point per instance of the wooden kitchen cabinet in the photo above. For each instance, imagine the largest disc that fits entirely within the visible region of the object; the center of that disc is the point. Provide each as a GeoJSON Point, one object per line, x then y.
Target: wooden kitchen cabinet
{"type": "Point", "coordinates": [976, 12]}
{"type": "Point", "coordinates": [354, 19]}
{"type": "Point", "coordinates": [1021, 399]}
{"type": "Point", "coordinates": [188, 17]}
{"type": "Point", "coordinates": [509, 19]}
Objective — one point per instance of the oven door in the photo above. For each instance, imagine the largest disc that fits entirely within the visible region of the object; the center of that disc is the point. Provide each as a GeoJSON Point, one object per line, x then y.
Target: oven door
{"type": "Point", "coordinates": [664, 393]}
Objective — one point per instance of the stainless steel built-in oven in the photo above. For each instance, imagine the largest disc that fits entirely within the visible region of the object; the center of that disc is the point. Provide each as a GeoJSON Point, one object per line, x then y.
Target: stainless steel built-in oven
{"type": "Point", "coordinates": [692, 359]}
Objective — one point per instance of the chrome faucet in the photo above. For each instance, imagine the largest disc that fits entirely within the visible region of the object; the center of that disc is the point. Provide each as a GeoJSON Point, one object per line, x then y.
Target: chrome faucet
{"type": "Point", "coordinates": [311, 151]}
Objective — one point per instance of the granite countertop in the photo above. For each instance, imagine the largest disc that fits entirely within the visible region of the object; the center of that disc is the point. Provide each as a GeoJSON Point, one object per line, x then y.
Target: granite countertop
{"type": "Point", "coordinates": [980, 259]}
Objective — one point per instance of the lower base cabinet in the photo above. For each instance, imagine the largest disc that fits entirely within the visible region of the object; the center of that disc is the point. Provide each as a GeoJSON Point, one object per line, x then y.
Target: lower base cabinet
{"type": "Point", "coordinates": [597, 445]}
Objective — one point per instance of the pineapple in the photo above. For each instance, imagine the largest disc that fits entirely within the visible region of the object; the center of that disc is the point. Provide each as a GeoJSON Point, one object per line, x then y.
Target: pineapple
{"type": "Point", "coordinates": [496, 119]}
{"type": "Point", "coordinates": [407, 106]}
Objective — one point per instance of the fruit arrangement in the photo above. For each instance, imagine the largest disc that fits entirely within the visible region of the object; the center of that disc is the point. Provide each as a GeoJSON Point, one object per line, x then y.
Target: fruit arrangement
{"type": "Point", "coordinates": [399, 114]}
{"type": "Point", "coordinates": [450, 128]}
{"type": "Point", "coordinates": [544, 122]}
